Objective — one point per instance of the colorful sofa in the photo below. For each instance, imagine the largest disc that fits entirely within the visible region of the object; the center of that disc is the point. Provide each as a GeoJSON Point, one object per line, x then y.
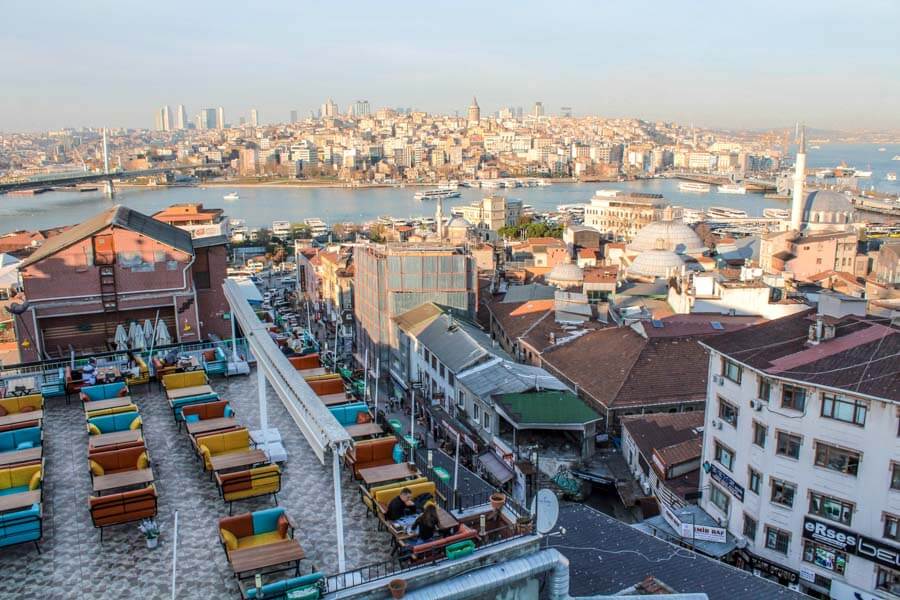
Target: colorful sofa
{"type": "Point", "coordinates": [346, 414]}
{"type": "Point", "coordinates": [143, 375]}
{"type": "Point", "coordinates": [313, 584]}
{"type": "Point", "coordinates": [23, 478]}
{"type": "Point", "coordinates": [118, 461]}
{"type": "Point", "coordinates": [237, 440]}
{"type": "Point", "coordinates": [179, 403]}
{"type": "Point", "coordinates": [368, 497]}
{"type": "Point", "coordinates": [302, 363]}
{"type": "Point", "coordinates": [21, 526]}
{"type": "Point", "coordinates": [74, 381]}
{"type": "Point", "coordinates": [370, 453]}
{"type": "Point", "coordinates": [90, 414]}
{"type": "Point", "coordinates": [255, 529]}
{"type": "Point", "coordinates": [215, 362]}
{"type": "Point", "coordinates": [104, 391]}
{"type": "Point", "coordinates": [124, 507]}
{"type": "Point", "coordinates": [176, 381]}
{"type": "Point", "coordinates": [17, 404]}
{"type": "Point", "coordinates": [20, 439]}
{"type": "Point", "coordinates": [325, 387]}
{"type": "Point", "coordinates": [259, 481]}
{"type": "Point", "coordinates": [112, 423]}
{"type": "Point", "coordinates": [434, 549]}
{"type": "Point", "coordinates": [217, 409]}
{"type": "Point", "coordinates": [384, 497]}
{"type": "Point", "coordinates": [113, 447]}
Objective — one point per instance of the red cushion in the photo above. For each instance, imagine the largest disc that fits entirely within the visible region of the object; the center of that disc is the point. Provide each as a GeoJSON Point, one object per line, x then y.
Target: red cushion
{"type": "Point", "coordinates": [3, 412]}
{"type": "Point", "coordinates": [283, 526]}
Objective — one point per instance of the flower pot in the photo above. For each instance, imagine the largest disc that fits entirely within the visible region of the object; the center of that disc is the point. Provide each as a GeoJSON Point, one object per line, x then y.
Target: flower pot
{"type": "Point", "coordinates": [152, 542]}
{"type": "Point", "coordinates": [524, 525]}
{"type": "Point", "coordinates": [498, 500]}
{"type": "Point", "coordinates": [397, 588]}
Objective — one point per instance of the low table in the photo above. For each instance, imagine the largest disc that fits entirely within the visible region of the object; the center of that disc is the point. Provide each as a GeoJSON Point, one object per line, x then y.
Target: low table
{"type": "Point", "coordinates": [208, 425]}
{"type": "Point", "coordinates": [20, 500]}
{"type": "Point", "coordinates": [334, 399]}
{"type": "Point", "coordinates": [384, 474]}
{"type": "Point", "coordinates": [363, 430]}
{"type": "Point", "coordinates": [235, 460]}
{"type": "Point", "coordinates": [257, 558]}
{"type": "Point", "coordinates": [314, 372]}
{"type": "Point", "coordinates": [109, 439]}
{"type": "Point", "coordinates": [125, 479]}
{"type": "Point", "coordinates": [446, 521]}
{"type": "Point", "coordinates": [187, 392]}
{"type": "Point", "coordinates": [19, 418]}
{"type": "Point", "coordinates": [93, 405]}
{"type": "Point", "coordinates": [17, 457]}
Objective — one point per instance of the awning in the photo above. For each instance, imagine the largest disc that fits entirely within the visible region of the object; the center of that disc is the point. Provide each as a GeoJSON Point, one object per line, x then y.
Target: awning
{"type": "Point", "coordinates": [498, 471]}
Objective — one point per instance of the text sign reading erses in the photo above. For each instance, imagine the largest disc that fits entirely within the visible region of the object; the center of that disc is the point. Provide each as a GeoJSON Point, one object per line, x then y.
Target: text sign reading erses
{"type": "Point", "coordinates": [851, 543]}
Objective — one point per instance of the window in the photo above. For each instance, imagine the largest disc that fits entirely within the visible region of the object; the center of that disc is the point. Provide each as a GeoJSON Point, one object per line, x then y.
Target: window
{"type": "Point", "coordinates": [728, 412]}
{"type": "Point", "coordinates": [450, 378]}
{"type": "Point", "coordinates": [844, 409]}
{"type": "Point", "coordinates": [749, 527]}
{"type": "Point", "coordinates": [427, 354]}
{"type": "Point", "coordinates": [475, 411]}
{"type": "Point", "coordinates": [837, 459]}
{"type": "Point", "coordinates": [724, 456]}
{"type": "Point", "coordinates": [891, 527]}
{"type": "Point", "coordinates": [754, 479]}
{"type": "Point", "coordinates": [830, 508]}
{"type": "Point", "coordinates": [793, 397]}
{"type": "Point", "coordinates": [887, 580]}
{"type": "Point", "coordinates": [434, 362]}
{"type": "Point", "coordinates": [759, 434]}
{"type": "Point", "coordinates": [4, 293]}
{"type": "Point", "coordinates": [443, 371]}
{"type": "Point", "coordinates": [486, 420]}
{"type": "Point", "coordinates": [777, 539]}
{"type": "Point", "coordinates": [787, 444]}
{"type": "Point", "coordinates": [461, 399]}
{"type": "Point", "coordinates": [731, 370]}
{"type": "Point", "coordinates": [895, 476]}
{"type": "Point", "coordinates": [824, 557]}
{"type": "Point", "coordinates": [719, 498]}
{"type": "Point", "coordinates": [764, 391]}
{"type": "Point", "coordinates": [783, 492]}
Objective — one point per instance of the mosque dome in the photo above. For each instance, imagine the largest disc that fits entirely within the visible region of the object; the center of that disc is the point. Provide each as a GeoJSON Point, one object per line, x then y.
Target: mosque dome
{"type": "Point", "coordinates": [566, 275]}
{"type": "Point", "coordinates": [459, 222]}
{"type": "Point", "coordinates": [825, 208]}
{"type": "Point", "coordinates": [668, 235]}
{"type": "Point", "coordinates": [656, 263]}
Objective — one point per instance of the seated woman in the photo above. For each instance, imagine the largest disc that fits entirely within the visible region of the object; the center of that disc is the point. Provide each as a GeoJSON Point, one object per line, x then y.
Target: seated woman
{"type": "Point", "coordinates": [426, 525]}
{"type": "Point", "coordinates": [88, 372]}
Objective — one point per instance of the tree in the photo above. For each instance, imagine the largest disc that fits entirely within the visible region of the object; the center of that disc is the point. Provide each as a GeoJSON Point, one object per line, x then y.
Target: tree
{"type": "Point", "coordinates": [376, 232]}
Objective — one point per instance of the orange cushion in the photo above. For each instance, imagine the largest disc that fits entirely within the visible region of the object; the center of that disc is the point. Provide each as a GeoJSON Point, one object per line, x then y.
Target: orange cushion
{"type": "Point", "coordinates": [3, 412]}
{"type": "Point", "coordinates": [283, 526]}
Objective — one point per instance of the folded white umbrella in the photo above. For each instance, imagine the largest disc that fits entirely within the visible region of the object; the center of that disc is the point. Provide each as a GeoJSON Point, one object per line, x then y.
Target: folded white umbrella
{"type": "Point", "coordinates": [121, 338]}
{"type": "Point", "coordinates": [162, 334]}
{"type": "Point", "coordinates": [148, 332]}
{"type": "Point", "coordinates": [137, 336]}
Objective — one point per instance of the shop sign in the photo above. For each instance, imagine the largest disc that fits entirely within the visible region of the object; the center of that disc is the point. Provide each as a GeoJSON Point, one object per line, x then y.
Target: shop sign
{"type": "Point", "coordinates": [720, 476]}
{"type": "Point", "coordinates": [691, 531]}
{"type": "Point", "coordinates": [769, 568]}
{"type": "Point", "coordinates": [807, 574]}
{"type": "Point", "coordinates": [851, 543]}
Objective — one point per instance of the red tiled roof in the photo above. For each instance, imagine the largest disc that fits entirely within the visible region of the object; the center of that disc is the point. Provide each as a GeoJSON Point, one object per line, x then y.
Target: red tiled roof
{"type": "Point", "coordinates": [601, 274]}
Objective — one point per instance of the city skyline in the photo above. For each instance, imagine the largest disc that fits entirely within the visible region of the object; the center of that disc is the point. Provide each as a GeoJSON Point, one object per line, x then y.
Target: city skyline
{"type": "Point", "coordinates": [783, 63]}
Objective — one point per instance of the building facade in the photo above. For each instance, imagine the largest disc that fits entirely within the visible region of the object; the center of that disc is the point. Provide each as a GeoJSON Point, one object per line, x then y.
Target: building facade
{"type": "Point", "coordinates": [618, 215]}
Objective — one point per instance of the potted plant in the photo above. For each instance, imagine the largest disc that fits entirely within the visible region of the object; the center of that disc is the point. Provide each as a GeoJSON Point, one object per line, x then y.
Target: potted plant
{"type": "Point", "coordinates": [525, 524]}
{"type": "Point", "coordinates": [151, 532]}
{"type": "Point", "coordinates": [498, 499]}
{"type": "Point", "coordinates": [397, 588]}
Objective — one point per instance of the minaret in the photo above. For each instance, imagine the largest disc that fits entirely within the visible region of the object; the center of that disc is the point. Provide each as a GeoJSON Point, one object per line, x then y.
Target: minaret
{"type": "Point", "coordinates": [797, 195]}
{"type": "Point", "coordinates": [439, 218]}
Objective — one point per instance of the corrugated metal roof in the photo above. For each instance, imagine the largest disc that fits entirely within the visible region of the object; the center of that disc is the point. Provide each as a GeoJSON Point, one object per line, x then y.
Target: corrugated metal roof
{"type": "Point", "coordinates": [210, 240]}
{"type": "Point", "coordinates": [532, 291]}
{"type": "Point", "coordinates": [501, 376]}
{"type": "Point", "coordinates": [456, 343]}
{"type": "Point", "coordinates": [117, 216]}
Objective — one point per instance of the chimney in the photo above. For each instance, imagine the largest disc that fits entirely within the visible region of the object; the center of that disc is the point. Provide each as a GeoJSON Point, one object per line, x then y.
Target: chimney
{"type": "Point", "coordinates": [797, 196]}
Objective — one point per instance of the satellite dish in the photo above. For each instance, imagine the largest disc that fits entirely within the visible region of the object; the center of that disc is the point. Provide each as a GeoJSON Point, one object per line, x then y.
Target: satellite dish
{"type": "Point", "coordinates": [547, 510]}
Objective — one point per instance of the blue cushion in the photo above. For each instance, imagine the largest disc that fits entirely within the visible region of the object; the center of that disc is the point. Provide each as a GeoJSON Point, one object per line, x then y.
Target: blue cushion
{"type": "Point", "coordinates": [192, 419]}
{"type": "Point", "coordinates": [113, 423]}
{"type": "Point", "coordinates": [24, 445]}
{"type": "Point", "coordinates": [229, 412]}
{"type": "Point", "coordinates": [14, 490]}
{"type": "Point", "coordinates": [9, 440]}
{"type": "Point", "coordinates": [266, 520]}
{"type": "Point", "coordinates": [278, 589]}
{"type": "Point", "coordinates": [20, 526]}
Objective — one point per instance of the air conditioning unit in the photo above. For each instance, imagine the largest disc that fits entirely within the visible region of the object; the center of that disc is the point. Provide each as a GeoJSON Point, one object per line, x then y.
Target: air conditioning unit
{"type": "Point", "coordinates": [756, 405]}
{"type": "Point", "coordinates": [717, 424]}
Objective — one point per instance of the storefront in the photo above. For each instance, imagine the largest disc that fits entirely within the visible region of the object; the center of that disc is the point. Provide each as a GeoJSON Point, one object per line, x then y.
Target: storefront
{"type": "Point", "coordinates": [765, 568]}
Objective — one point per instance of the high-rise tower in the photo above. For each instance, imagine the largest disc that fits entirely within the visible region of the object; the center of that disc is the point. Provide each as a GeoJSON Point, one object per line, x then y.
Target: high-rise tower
{"type": "Point", "coordinates": [474, 111]}
{"type": "Point", "coordinates": [797, 196]}
{"type": "Point", "coordinates": [181, 118]}
{"type": "Point", "coordinates": [220, 118]}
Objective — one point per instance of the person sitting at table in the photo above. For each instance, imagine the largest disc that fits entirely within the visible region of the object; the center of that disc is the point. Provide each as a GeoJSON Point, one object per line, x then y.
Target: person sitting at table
{"type": "Point", "coordinates": [89, 372]}
{"type": "Point", "coordinates": [401, 506]}
{"type": "Point", "coordinates": [426, 525]}
{"type": "Point", "coordinates": [171, 357]}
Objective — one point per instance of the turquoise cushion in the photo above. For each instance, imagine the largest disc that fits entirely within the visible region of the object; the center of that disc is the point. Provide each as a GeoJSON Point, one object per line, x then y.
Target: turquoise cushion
{"type": "Point", "coordinates": [266, 520]}
{"type": "Point", "coordinates": [14, 490]}
{"type": "Point", "coordinates": [192, 419]}
{"type": "Point", "coordinates": [25, 445]}
{"type": "Point", "coordinates": [229, 412]}
{"type": "Point", "coordinates": [279, 589]}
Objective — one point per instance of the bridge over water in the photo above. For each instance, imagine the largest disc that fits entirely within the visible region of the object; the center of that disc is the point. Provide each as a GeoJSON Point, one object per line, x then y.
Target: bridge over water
{"type": "Point", "coordinates": [72, 179]}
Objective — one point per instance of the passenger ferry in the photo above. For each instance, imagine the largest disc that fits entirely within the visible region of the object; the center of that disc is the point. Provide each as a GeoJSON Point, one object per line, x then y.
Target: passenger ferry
{"type": "Point", "coordinates": [722, 212]}
{"type": "Point", "coordinates": [732, 188]}
{"type": "Point", "coordinates": [776, 213]}
{"type": "Point", "coordinates": [317, 227]}
{"type": "Point", "coordinates": [435, 194]}
{"type": "Point", "coordinates": [491, 183]}
{"type": "Point", "coordinates": [693, 186]}
{"type": "Point", "coordinates": [231, 196]}
{"type": "Point", "coordinates": [690, 216]}
{"type": "Point", "coordinates": [891, 177]}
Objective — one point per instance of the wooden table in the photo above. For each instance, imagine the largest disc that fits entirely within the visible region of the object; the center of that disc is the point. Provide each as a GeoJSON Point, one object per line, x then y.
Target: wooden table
{"type": "Point", "coordinates": [187, 392]}
{"type": "Point", "coordinates": [115, 481]}
{"type": "Point", "coordinates": [363, 430]}
{"type": "Point", "coordinates": [19, 418]}
{"type": "Point", "coordinates": [257, 558]}
{"type": "Point", "coordinates": [333, 399]}
{"type": "Point", "coordinates": [377, 475]}
{"type": "Point", "coordinates": [20, 500]}
{"type": "Point", "coordinates": [107, 374]}
{"type": "Point", "coordinates": [21, 386]}
{"type": "Point", "coordinates": [117, 437]}
{"type": "Point", "coordinates": [93, 405]}
{"type": "Point", "coordinates": [191, 364]}
{"type": "Point", "coordinates": [446, 522]}
{"type": "Point", "coordinates": [312, 372]}
{"type": "Point", "coordinates": [234, 460]}
{"type": "Point", "coordinates": [208, 425]}
{"type": "Point", "coordinates": [17, 457]}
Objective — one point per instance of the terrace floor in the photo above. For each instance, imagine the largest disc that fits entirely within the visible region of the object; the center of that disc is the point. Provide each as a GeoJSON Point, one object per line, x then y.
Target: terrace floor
{"type": "Point", "coordinates": [73, 563]}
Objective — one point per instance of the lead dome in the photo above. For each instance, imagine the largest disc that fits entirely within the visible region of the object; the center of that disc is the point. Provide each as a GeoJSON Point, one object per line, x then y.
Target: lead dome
{"type": "Point", "coordinates": [674, 236]}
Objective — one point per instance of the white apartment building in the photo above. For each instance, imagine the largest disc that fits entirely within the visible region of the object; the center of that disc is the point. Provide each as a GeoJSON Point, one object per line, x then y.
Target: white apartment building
{"type": "Point", "coordinates": [619, 215]}
{"type": "Point", "coordinates": [801, 454]}
{"type": "Point", "coordinates": [492, 212]}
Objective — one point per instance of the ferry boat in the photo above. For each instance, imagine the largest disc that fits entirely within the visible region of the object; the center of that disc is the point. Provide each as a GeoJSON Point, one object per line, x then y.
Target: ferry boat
{"type": "Point", "coordinates": [722, 212]}
{"type": "Point", "coordinates": [491, 183]}
{"type": "Point", "coordinates": [892, 177]}
{"type": "Point", "coordinates": [690, 216]}
{"type": "Point", "coordinates": [776, 213]}
{"type": "Point", "coordinates": [896, 157]}
{"type": "Point", "coordinates": [231, 196]}
{"type": "Point", "coordinates": [544, 182]}
{"type": "Point", "coordinates": [317, 227]}
{"type": "Point", "coordinates": [732, 188]}
{"type": "Point", "coordinates": [693, 186]}
{"type": "Point", "coordinates": [435, 194]}
{"type": "Point", "coordinates": [882, 149]}
{"type": "Point", "coordinates": [527, 210]}
{"type": "Point", "coordinates": [860, 173]}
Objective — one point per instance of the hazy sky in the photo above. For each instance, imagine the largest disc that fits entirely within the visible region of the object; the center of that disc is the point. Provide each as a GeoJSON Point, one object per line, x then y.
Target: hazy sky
{"type": "Point", "coordinates": [737, 64]}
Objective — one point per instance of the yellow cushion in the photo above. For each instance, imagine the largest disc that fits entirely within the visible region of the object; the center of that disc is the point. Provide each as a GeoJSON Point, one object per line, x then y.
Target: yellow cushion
{"type": "Point", "coordinates": [35, 482]}
{"type": "Point", "coordinates": [231, 542]}
{"type": "Point", "coordinates": [136, 424]}
{"type": "Point", "coordinates": [93, 429]}
{"type": "Point", "coordinates": [96, 468]}
{"type": "Point", "coordinates": [204, 452]}
{"type": "Point", "coordinates": [259, 540]}
{"type": "Point", "coordinates": [143, 461]}
{"type": "Point", "coordinates": [5, 479]}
